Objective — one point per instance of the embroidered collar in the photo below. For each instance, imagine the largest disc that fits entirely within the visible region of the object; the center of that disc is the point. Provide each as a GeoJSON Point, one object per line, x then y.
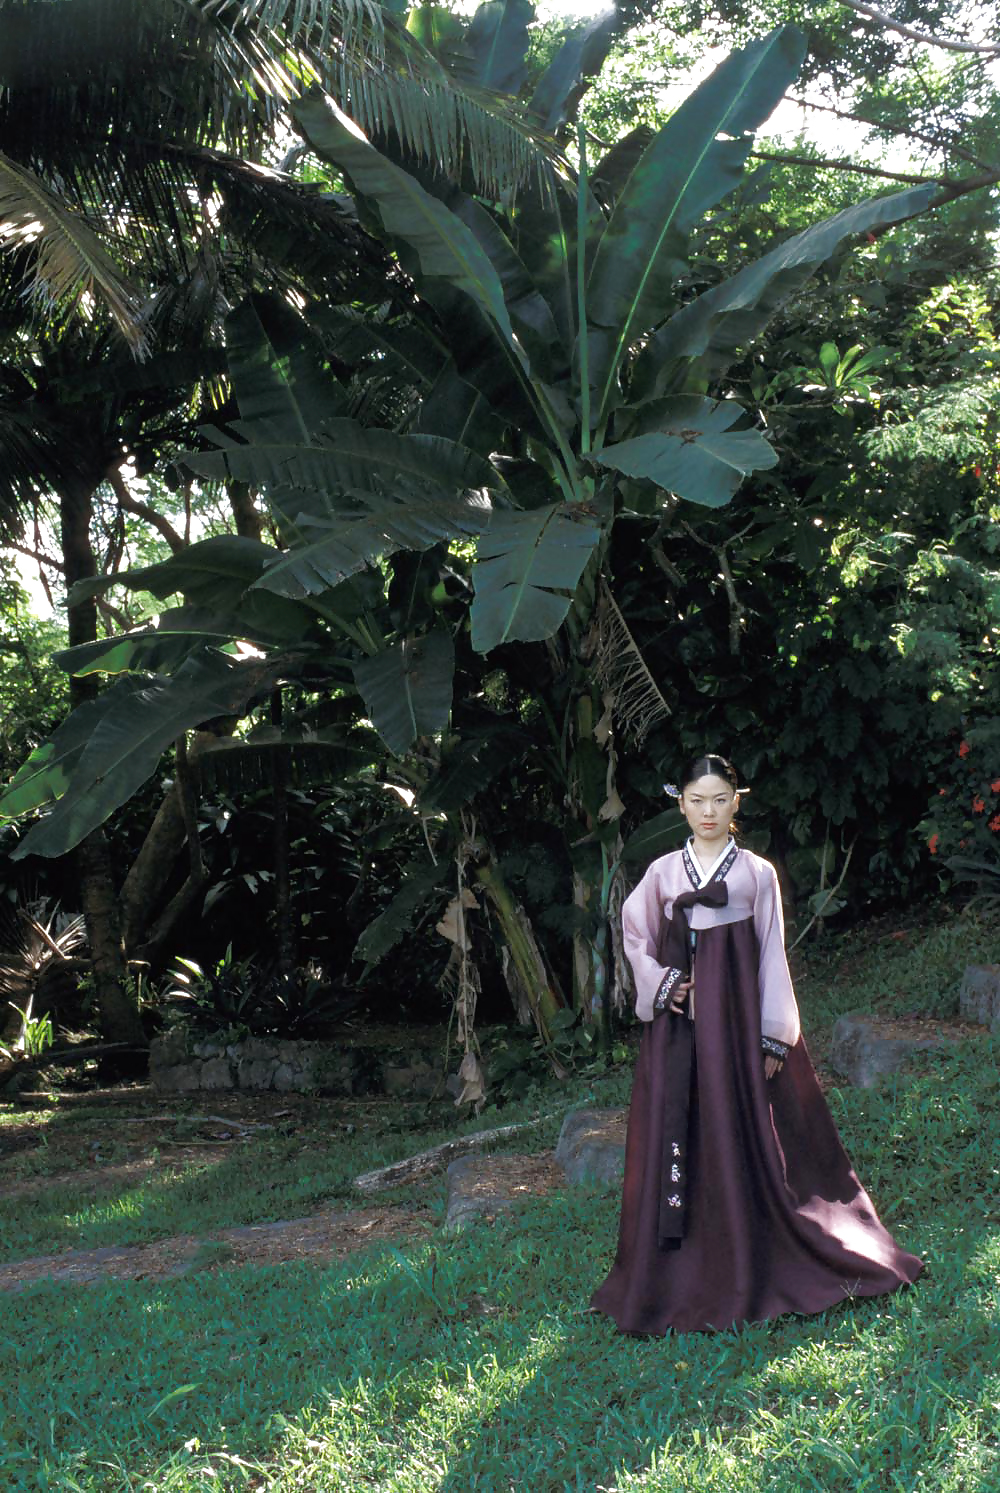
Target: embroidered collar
{"type": "Point", "coordinates": [718, 871]}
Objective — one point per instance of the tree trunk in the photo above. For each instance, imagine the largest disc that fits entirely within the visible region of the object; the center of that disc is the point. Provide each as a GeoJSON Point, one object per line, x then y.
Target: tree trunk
{"type": "Point", "coordinates": [534, 981]}
{"type": "Point", "coordinates": [249, 523]}
{"type": "Point", "coordinates": [117, 1015]}
{"type": "Point", "coordinates": [284, 930]}
{"type": "Point", "coordinates": [151, 869]}
{"type": "Point", "coordinates": [154, 865]}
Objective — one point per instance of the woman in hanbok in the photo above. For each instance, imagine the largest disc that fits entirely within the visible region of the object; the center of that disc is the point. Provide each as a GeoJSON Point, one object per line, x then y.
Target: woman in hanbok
{"type": "Point", "coordinates": [739, 1201]}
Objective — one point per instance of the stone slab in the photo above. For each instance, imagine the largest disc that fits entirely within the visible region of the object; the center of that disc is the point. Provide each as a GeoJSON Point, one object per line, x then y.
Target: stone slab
{"type": "Point", "coordinates": [864, 1054]}
{"type": "Point", "coordinates": [470, 1194]}
{"type": "Point", "coordinates": [591, 1145]}
{"type": "Point", "coordinates": [979, 993]}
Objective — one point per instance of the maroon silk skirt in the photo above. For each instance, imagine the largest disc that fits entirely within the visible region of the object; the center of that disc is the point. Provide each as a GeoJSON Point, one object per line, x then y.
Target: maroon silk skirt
{"type": "Point", "coordinates": [777, 1220]}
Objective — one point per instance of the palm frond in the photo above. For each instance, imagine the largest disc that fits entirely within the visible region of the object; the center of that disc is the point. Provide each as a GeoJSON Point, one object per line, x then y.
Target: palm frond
{"type": "Point", "coordinates": [68, 259]}
{"type": "Point", "coordinates": [623, 673]}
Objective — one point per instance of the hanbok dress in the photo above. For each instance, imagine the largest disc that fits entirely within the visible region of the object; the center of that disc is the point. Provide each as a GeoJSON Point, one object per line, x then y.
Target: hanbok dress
{"type": "Point", "coordinates": [739, 1202]}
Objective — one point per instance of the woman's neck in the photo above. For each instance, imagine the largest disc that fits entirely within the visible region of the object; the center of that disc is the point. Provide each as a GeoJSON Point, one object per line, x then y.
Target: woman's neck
{"type": "Point", "coordinates": [707, 852]}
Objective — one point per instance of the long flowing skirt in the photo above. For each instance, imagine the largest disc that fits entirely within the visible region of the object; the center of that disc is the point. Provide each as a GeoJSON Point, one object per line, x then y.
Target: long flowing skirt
{"type": "Point", "coordinates": [777, 1220]}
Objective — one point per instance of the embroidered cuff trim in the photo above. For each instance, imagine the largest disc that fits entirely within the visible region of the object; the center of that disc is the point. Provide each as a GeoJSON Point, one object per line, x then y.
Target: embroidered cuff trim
{"type": "Point", "coordinates": [774, 1048]}
{"type": "Point", "coordinates": [662, 998]}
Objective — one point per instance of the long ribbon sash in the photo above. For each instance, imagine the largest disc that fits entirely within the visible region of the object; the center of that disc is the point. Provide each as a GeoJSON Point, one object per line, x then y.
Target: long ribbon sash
{"type": "Point", "coordinates": [674, 951]}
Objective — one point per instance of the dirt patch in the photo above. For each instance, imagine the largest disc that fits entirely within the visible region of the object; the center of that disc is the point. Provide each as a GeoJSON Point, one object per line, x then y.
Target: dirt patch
{"type": "Point", "coordinates": [512, 1176]}
{"type": "Point", "coordinates": [922, 1028]}
{"type": "Point", "coordinates": [320, 1238]}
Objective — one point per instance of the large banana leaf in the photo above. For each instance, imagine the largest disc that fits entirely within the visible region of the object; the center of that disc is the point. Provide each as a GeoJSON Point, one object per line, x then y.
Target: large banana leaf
{"type": "Point", "coordinates": [400, 347]}
{"type": "Point", "coordinates": [130, 737]}
{"type": "Point", "coordinates": [497, 40]}
{"type": "Point", "coordinates": [44, 777]}
{"type": "Point", "coordinates": [263, 618]}
{"type": "Point", "coordinates": [349, 458]}
{"type": "Point", "coordinates": [453, 407]}
{"type": "Point", "coordinates": [215, 572]}
{"type": "Point", "coordinates": [527, 568]}
{"type": "Point", "coordinates": [280, 387]}
{"type": "Point", "coordinates": [335, 543]}
{"type": "Point", "coordinates": [545, 226]}
{"type": "Point", "coordinates": [241, 764]}
{"type": "Point", "coordinates": [654, 837]}
{"type": "Point", "coordinates": [153, 651]}
{"type": "Point", "coordinates": [691, 163]}
{"type": "Point", "coordinates": [407, 688]}
{"type": "Point", "coordinates": [579, 57]}
{"type": "Point", "coordinates": [384, 932]}
{"type": "Point", "coordinates": [691, 450]}
{"type": "Point", "coordinates": [530, 314]}
{"type": "Point", "coordinates": [471, 765]}
{"type": "Point", "coordinates": [715, 325]}
{"type": "Point", "coordinates": [442, 246]}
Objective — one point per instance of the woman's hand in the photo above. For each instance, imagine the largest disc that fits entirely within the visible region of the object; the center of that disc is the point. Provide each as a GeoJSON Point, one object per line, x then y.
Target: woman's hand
{"type": "Point", "coordinates": [772, 1066]}
{"type": "Point", "coordinates": [683, 993]}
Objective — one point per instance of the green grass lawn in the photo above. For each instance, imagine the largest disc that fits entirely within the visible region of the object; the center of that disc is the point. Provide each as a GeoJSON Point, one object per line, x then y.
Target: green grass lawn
{"type": "Point", "coordinates": [469, 1363]}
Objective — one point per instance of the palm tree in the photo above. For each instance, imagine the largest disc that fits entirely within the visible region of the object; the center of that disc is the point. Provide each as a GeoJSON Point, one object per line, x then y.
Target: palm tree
{"type": "Point", "coordinates": [135, 204]}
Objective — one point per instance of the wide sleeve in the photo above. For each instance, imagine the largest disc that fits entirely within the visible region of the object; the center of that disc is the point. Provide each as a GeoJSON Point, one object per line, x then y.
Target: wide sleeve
{"type": "Point", "coordinates": [642, 918]}
{"type": "Point", "coordinates": [779, 1013]}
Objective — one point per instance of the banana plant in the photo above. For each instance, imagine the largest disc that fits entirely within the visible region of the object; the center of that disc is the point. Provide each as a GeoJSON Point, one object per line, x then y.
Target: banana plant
{"type": "Point", "coordinates": [564, 376]}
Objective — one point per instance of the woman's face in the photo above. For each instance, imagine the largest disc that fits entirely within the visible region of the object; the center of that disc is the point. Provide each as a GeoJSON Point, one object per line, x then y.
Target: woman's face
{"type": "Point", "coordinates": [708, 804]}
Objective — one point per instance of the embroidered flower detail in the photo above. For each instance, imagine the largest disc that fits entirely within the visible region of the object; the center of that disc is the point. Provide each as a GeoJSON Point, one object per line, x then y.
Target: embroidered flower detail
{"type": "Point", "coordinates": [674, 1200]}
{"type": "Point", "coordinates": [963, 750]}
{"type": "Point", "coordinates": [978, 806]}
{"type": "Point", "coordinates": [932, 844]}
{"type": "Point", "coordinates": [675, 1149]}
{"type": "Point", "coordinates": [675, 1173]}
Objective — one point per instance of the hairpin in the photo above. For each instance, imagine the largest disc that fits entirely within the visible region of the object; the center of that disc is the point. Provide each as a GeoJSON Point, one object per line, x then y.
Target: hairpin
{"type": "Point", "coordinates": [671, 790]}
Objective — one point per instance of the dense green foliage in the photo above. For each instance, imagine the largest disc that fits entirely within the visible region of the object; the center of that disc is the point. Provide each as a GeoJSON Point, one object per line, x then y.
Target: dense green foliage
{"type": "Point", "coordinates": [549, 486]}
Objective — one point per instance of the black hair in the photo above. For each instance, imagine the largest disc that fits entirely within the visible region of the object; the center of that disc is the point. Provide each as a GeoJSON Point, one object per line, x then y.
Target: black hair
{"type": "Point", "coordinates": [707, 766]}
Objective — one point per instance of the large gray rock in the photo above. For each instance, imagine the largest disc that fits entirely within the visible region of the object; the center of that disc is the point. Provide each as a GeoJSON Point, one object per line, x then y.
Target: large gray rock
{"type": "Point", "coordinates": [472, 1193]}
{"type": "Point", "coordinates": [979, 993]}
{"type": "Point", "coordinates": [217, 1073]}
{"type": "Point", "coordinates": [591, 1145]}
{"type": "Point", "coordinates": [863, 1053]}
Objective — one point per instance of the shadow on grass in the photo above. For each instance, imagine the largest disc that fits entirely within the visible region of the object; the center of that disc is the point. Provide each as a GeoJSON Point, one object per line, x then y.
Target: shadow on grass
{"type": "Point", "coordinates": [470, 1365]}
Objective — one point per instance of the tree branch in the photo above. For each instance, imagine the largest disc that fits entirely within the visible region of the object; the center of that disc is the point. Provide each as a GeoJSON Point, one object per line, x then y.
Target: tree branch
{"type": "Point", "coordinates": [902, 131]}
{"type": "Point", "coordinates": [118, 617]}
{"type": "Point", "coordinates": [737, 611]}
{"type": "Point", "coordinates": [846, 165]}
{"type": "Point", "coordinates": [143, 510]}
{"type": "Point", "coordinates": [36, 555]}
{"type": "Point", "coordinates": [949, 44]}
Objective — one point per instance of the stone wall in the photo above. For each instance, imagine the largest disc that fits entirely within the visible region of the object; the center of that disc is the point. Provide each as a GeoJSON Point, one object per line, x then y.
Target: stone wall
{"type": "Point", "coordinates": [180, 1062]}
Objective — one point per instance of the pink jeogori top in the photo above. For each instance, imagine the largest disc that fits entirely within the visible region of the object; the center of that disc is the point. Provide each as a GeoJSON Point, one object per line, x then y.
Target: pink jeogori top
{"type": "Point", "coordinates": [753, 893]}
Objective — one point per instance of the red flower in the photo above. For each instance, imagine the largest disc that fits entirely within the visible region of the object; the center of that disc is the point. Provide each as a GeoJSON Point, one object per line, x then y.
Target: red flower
{"type": "Point", "coordinates": [995, 824]}
{"type": "Point", "coordinates": [995, 786]}
{"type": "Point", "coordinates": [977, 806]}
{"type": "Point", "coordinates": [963, 750]}
{"type": "Point", "coordinates": [932, 844]}
{"type": "Point", "coordinates": [942, 793]}
{"type": "Point", "coordinates": [962, 844]}
{"type": "Point", "coordinates": [978, 471]}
